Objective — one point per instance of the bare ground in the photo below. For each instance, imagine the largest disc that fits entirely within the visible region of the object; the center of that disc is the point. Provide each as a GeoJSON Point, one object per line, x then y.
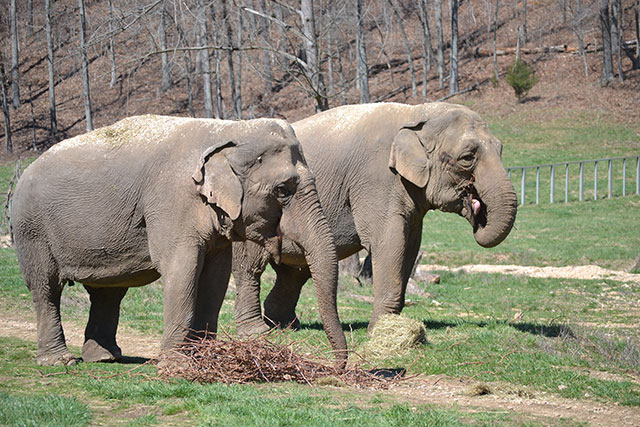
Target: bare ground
{"type": "Point", "coordinates": [443, 391]}
{"type": "Point", "coordinates": [583, 272]}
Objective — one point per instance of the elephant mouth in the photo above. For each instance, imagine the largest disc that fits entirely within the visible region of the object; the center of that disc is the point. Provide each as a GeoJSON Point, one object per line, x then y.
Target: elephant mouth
{"type": "Point", "coordinates": [473, 209]}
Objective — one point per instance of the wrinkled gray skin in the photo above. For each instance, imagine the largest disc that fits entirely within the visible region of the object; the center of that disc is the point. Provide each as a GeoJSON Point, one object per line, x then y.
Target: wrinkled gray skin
{"type": "Point", "coordinates": [157, 196]}
{"type": "Point", "coordinates": [379, 169]}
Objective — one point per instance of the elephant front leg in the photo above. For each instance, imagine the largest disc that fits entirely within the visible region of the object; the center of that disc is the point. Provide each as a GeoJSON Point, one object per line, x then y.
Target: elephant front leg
{"type": "Point", "coordinates": [280, 305]}
{"type": "Point", "coordinates": [212, 287]}
{"type": "Point", "coordinates": [180, 275]}
{"type": "Point", "coordinates": [249, 262]}
{"type": "Point", "coordinates": [100, 334]}
{"type": "Point", "coordinates": [393, 257]}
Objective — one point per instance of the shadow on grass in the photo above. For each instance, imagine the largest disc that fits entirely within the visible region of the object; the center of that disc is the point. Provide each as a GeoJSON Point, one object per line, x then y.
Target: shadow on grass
{"type": "Point", "coordinates": [132, 360]}
{"type": "Point", "coordinates": [317, 326]}
{"type": "Point", "coordinates": [549, 331]}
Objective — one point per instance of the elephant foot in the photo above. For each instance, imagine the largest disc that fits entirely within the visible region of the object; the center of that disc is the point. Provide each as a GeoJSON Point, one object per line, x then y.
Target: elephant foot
{"type": "Point", "coordinates": [252, 328]}
{"type": "Point", "coordinates": [94, 352]}
{"type": "Point", "coordinates": [57, 359]}
{"type": "Point", "coordinates": [283, 323]}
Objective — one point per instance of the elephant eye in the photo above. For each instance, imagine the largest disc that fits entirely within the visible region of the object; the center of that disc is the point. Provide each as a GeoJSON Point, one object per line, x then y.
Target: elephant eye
{"type": "Point", "coordinates": [466, 160]}
{"type": "Point", "coordinates": [284, 193]}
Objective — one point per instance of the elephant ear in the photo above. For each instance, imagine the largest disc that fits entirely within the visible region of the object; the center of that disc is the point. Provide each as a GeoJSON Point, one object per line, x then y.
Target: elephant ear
{"type": "Point", "coordinates": [409, 158]}
{"type": "Point", "coordinates": [217, 181]}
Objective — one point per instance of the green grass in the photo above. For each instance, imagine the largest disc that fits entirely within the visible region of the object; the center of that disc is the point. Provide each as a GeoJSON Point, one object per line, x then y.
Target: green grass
{"type": "Point", "coordinates": [43, 410]}
{"type": "Point", "coordinates": [597, 232]}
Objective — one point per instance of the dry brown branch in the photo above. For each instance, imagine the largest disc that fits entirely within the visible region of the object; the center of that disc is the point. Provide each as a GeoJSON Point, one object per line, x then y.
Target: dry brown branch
{"type": "Point", "coordinates": [233, 361]}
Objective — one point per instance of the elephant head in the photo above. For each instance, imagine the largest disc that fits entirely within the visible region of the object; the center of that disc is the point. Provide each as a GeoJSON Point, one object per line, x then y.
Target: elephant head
{"type": "Point", "coordinates": [248, 181]}
{"type": "Point", "coordinates": [449, 152]}
{"type": "Point", "coordinates": [251, 186]}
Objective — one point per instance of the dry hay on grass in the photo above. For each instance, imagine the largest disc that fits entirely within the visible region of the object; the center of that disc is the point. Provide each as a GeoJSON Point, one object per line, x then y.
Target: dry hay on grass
{"type": "Point", "coordinates": [258, 360]}
{"type": "Point", "coordinates": [393, 335]}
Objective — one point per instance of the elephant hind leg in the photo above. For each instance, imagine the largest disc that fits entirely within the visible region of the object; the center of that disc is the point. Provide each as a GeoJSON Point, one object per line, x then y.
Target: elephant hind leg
{"type": "Point", "coordinates": [41, 276]}
{"type": "Point", "coordinates": [280, 305]}
{"type": "Point", "coordinates": [100, 334]}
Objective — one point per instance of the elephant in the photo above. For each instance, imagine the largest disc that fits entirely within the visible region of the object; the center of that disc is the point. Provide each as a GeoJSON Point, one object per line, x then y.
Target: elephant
{"type": "Point", "coordinates": [155, 196]}
{"type": "Point", "coordinates": [379, 169]}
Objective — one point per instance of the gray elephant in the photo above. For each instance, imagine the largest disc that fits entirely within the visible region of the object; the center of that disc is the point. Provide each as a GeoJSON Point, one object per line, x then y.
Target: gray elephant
{"type": "Point", "coordinates": [379, 169]}
{"type": "Point", "coordinates": [155, 196]}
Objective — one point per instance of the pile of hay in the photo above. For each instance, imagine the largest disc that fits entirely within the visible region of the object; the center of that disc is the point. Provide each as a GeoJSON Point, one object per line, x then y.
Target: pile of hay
{"type": "Point", "coordinates": [393, 335]}
{"type": "Point", "coordinates": [232, 361]}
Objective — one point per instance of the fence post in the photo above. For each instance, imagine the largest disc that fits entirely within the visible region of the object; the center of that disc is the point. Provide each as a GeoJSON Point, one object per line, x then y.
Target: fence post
{"type": "Point", "coordinates": [638, 175]}
{"type": "Point", "coordinates": [566, 183]}
{"type": "Point", "coordinates": [624, 176]}
{"type": "Point", "coordinates": [595, 181]}
{"type": "Point", "coordinates": [537, 185]}
{"type": "Point", "coordinates": [609, 176]}
{"type": "Point", "coordinates": [581, 197]}
{"type": "Point", "coordinates": [523, 186]}
{"type": "Point", "coordinates": [552, 184]}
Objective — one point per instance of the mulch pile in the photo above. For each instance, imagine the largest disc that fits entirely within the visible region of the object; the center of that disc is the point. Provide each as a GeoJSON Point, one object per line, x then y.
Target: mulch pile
{"type": "Point", "coordinates": [259, 360]}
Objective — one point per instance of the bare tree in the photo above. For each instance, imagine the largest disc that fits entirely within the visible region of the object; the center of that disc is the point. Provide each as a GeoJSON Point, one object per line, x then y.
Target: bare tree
{"type": "Point", "coordinates": [605, 29]}
{"type": "Point", "coordinates": [205, 60]}
{"type": "Point", "coordinates": [5, 108]}
{"type": "Point", "coordinates": [363, 76]}
{"type": "Point", "coordinates": [524, 21]}
{"type": "Point", "coordinates": [438, 4]}
{"type": "Point", "coordinates": [53, 127]}
{"type": "Point", "coordinates": [311, 49]}
{"type": "Point", "coordinates": [495, 36]}
{"type": "Point", "coordinates": [578, 16]}
{"type": "Point", "coordinates": [85, 66]}
{"type": "Point", "coordinates": [616, 36]}
{"type": "Point", "coordinates": [407, 46]}
{"type": "Point", "coordinates": [453, 63]}
{"type": "Point", "coordinates": [427, 49]}
{"type": "Point", "coordinates": [112, 52]}
{"type": "Point", "coordinates": [266, 55]}
{"type": "Point", "coordinates": [226, 16]}
{"type": "Point", "coordinates": [15, 72]}
{"type": "Point", "coordinates": [237, 105]}
{"type": "Point", "coordinates": [164, 56]}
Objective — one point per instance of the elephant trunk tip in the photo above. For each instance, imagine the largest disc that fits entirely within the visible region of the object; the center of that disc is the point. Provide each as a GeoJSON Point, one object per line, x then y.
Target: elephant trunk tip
{"type": "Point", "coordinates": [491, 228]}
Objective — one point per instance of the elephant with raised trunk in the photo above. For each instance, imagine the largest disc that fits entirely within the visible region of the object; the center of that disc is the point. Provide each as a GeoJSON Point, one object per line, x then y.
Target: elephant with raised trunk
{"type": "Point", "coordinates": [379, 169]}
{"type": "Point", "coordinates": [155, 196]}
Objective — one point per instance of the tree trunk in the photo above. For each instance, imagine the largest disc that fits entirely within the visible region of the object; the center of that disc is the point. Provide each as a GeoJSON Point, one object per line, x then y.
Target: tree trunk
{"type": "Point", "coordinates": [112, 53]}
{"type": "Point", "coordinates": [343, 82]}
{"type": "Point", "coordinates": [407, 46]}
{"type": "Point", "coordinates": [5, 109]}
{"type": "Point", "coordinates": [440, 43]}
{"type": "Point", "coordinates": [232, 74]}
{"type": "Point", "coordinates": [636, 12]}
{"type": "Point", "coordinates": [85, 67]}
{"type": "Point", "coordinates": [495, 36]}
{"type": "Point", "coordinates": [580, 36]}
{"type": "Point", "coordinates": [237, 105]}
{"type": "Point", "coordinates": [266, 55]}
{"type": "Point", "coordinates": [15, 72]}
{"type": "Point", "coordinates": [311, 49]}
{"type": "Point", "coordinates": [205, 60]}
{"type": "Point", "coordinates": [617, 13]}
{"type": "Point", "coordinates": [363, 76]}
{"type": "Point", "coordinates": [30, 17]}
{"type": "Point", "coordinates": [216, 58]}
{"type": "Point", "coordinates": [53, 121]}
{"type": "Point", "coordinates": [166, 74]}
{"type": "Point", "coordinates": [453, 64]}
{"type": "Point", "coordinates": [427, 49]}
{"type": "Point", "coordinates": [605, 29]}
{"type": "Point", "coordinates": [524, 21]}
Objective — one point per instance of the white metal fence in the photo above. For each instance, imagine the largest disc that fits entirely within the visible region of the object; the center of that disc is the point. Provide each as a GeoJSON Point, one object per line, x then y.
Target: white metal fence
{"type": "Point", "coordinates": [579, 179]}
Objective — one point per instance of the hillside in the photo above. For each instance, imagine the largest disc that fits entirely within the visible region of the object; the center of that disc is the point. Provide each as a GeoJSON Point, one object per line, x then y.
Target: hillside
{"type": "Point", "coordinates": [563, 88]}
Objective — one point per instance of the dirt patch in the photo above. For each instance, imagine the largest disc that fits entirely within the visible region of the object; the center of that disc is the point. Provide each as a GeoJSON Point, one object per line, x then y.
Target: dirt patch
{"type": "Point", "coordinates": [582, 272]}
{"type": "Point", "coordinates": [132, 343]}
{"type": "Point", "coordinates": [445, 391]}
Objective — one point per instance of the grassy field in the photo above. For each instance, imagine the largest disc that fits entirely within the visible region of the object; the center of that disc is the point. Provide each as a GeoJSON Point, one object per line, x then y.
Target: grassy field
{"type": "Point", "coordinates": [523, 339]}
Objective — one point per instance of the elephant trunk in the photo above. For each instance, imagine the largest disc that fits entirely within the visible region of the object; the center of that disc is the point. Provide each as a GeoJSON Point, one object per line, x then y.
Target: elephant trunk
{"type": "Point", "coordinates": [498, 204]}
{"type": "Point", "coordinates": [309, 228]}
